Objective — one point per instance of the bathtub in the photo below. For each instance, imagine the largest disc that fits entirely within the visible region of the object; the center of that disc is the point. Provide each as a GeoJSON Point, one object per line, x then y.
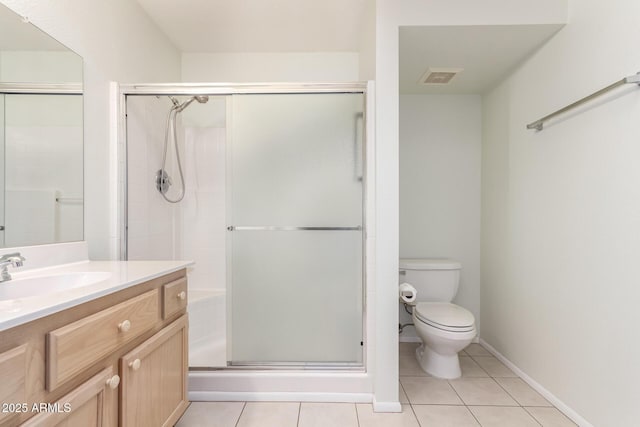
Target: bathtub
{"type": "Point", "coordinates": [207, 328]}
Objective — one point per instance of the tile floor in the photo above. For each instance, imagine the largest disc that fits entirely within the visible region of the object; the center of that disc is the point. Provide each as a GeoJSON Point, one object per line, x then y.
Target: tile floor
{"type": "Point", "coordinates": [488, 395]}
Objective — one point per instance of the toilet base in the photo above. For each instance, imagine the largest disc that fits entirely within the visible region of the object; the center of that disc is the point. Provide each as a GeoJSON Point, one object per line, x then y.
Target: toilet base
{"type": "Point", "coordinates": [438, 365]}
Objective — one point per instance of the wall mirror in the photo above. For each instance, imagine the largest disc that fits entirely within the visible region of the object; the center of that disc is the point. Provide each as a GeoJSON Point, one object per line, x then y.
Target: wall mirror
{"type": "Point", "coordinates": [41, 137]}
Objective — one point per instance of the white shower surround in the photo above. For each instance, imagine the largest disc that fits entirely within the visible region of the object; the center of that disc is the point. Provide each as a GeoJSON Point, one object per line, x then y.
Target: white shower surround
{"type": "Point", "coordinates": [282, 385]}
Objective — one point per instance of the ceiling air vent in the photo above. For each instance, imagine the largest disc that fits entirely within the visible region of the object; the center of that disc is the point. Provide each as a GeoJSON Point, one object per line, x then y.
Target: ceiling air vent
{"type": "Point", "coordinates": [439, 76]}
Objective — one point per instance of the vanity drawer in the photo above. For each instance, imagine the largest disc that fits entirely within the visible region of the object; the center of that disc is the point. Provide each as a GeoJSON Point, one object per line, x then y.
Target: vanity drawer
{"type": "Point", "coordinates": [76, 346]}
{"type": "Point", "coordinates": [174, 297]}
{"type": "Point", "coordinates": [13, 369]}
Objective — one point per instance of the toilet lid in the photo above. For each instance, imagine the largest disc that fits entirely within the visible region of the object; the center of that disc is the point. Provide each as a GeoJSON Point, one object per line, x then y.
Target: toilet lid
{"type": "Point", "coordinates": [445, 315]}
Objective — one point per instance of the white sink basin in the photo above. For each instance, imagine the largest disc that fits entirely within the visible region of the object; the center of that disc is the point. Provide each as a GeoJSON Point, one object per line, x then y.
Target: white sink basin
{"type": "Point", "coordinates": [42, 285]}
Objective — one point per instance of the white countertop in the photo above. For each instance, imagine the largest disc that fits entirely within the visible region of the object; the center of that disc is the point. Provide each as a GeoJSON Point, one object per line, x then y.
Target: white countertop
{"type": "Point", "coordinates": [124, 274]}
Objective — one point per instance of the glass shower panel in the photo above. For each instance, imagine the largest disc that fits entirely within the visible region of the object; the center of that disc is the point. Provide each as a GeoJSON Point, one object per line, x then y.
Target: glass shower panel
{"type": "Point", "coordinates": [297, 297]}
{"type": "Point", "coordinates": [296, 196]}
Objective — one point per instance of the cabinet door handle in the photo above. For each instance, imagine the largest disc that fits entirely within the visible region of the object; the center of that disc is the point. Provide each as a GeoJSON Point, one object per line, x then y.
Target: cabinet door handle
{"type": "Point", "coordinates": [113, 382]}
{"type": "Point", "coordinates": [124, 326]}
{"type": "Point", "coordinates": [135, 365]}
{"type": "Point", "coordinates": [182, 295]}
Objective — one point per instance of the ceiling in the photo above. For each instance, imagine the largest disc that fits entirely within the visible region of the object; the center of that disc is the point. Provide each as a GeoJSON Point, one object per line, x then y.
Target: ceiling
{"type": "Point", "coordinates": [486, 53]}
{"type": "Point", "coordinates": [259, 25]}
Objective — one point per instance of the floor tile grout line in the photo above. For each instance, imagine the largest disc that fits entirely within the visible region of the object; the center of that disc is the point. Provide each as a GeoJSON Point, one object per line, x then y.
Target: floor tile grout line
{"type": "Point", "coordinates": [473, 415]}
{"type": "Point", "coordinates": [495, 376]}
{"type": "Point", "coordinates": [514, 398]}
{"type": "Point", "coordinates": [244, 405]}
{"type": "Point", "coordinates": [299, 410]}
{"type": "Point", "coordinates": [404, 391]}
{"type": "Point", "coordinates": [531, 415]}
{"type": "Point", "coordinates": [357, 415]}
{"type": "Point", "coordinates": [456, 392]}
{"type": "Point", "coordinates": [507, 391]}
{"type": "Point", "coordinates": [465, 403]}
{"type": "Point", "coordinates": [481, 368]}
{"type": "Point", "coordinates": [415, 415]}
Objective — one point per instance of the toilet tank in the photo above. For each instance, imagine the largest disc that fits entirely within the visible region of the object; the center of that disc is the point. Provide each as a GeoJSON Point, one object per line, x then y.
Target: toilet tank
{"type": "Point", "coordinates": [434, 279]}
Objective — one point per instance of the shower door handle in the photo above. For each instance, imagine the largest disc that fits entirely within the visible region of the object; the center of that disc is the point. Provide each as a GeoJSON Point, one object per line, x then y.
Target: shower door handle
{"type": "Point", "coordinates": [287, 228]}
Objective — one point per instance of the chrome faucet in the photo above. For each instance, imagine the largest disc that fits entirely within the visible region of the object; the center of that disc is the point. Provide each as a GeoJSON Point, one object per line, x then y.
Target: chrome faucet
{"type": "Point", "coordinates": [14, 259]}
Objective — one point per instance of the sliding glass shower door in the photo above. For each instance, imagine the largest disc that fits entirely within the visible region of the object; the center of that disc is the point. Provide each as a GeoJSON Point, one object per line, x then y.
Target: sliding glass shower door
{"type": "Point", "coordinates": [295, 229]}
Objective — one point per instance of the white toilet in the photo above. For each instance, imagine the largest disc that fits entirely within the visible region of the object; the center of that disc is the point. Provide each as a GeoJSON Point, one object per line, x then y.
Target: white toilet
{"type": "Point", "coordinates": [444, 328]}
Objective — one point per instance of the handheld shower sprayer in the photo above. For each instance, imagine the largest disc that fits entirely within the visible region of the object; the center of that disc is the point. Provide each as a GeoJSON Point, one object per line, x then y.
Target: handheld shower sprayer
{"type": "Point", "coordinates": [163, 180]}
{"type": "Point", "coordinates": [202, 99]}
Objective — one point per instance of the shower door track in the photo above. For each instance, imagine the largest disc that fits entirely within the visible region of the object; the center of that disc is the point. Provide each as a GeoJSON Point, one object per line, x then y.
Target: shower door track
{"type": "Point", "coordinates": [288, 228]}
{"type": "Point", "coordinates": [316, 366]}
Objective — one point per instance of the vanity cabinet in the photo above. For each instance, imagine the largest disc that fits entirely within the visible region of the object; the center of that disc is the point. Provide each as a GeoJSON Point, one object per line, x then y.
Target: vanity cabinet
{"type": "Point", "coordinates": [116, 360]}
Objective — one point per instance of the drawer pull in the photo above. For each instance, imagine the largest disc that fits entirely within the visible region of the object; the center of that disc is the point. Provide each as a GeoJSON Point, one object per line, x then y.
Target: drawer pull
{"type": "Point", "coordinates": [135, 365]}
{"type": "Point", "coordinates": [182, 295]}
{"type": "Point", "coordinates": [113, 382]}
{"type": "Point", "coordinates": [124, 326]}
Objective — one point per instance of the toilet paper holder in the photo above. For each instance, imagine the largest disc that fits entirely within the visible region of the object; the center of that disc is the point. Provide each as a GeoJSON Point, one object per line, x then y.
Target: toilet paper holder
{"type": "Point", "coordinates": [407, 293]}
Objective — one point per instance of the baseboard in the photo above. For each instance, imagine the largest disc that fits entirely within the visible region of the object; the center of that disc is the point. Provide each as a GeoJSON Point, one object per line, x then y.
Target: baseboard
{"type": "Point", "coordinates": [240, 396]}
{"type": "Point", "coordinates": [562, 407]}
{"type": "Point", "coordinates": [386, 406]}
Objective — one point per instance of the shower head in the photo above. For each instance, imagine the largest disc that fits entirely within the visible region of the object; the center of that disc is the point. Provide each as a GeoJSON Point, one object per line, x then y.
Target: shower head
{"type": "Point", "coordinates": [200, 98]}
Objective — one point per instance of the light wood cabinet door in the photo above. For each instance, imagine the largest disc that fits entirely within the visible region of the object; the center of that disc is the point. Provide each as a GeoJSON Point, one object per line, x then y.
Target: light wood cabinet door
{"type": "Point", "coordinates": [13, 370]}
{"type": "Point", "coordinates": [154, 379]}
{"type": "Point", "coordinates": [93, 404]}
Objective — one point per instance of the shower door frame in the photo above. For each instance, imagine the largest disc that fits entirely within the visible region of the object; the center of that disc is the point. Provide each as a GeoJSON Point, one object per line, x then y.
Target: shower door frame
{"type": "Point", "coordinates": [224, 89]}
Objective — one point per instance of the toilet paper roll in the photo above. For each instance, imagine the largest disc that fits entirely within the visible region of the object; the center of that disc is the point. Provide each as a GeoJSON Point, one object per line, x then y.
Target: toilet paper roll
{"type": "Point", "coordinates": [407, 293]}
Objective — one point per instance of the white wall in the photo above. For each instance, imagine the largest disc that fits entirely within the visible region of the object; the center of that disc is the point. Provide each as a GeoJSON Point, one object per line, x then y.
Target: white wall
{"type": "Point", "coordinates": [560, 217]}
{"type": "Point", "coordinates": [440, 153]}
{"type": "Point", "coordinates": [390, 15]}
{"type": "Point", "coordinates": [118, 42]}
{"type": "Point", "coordinates": [270, 67]}
{"type": "Point", "coordinates": [367, 43]}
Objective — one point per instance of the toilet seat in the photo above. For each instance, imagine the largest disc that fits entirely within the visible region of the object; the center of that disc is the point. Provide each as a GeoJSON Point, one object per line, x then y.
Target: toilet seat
{"type": "Point", "coordinates": [445, 316]}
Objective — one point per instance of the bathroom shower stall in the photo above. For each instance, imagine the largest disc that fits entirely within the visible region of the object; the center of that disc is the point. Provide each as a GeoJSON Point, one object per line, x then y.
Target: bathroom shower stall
{"type": "Point", "coordinates": [272, 183]}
